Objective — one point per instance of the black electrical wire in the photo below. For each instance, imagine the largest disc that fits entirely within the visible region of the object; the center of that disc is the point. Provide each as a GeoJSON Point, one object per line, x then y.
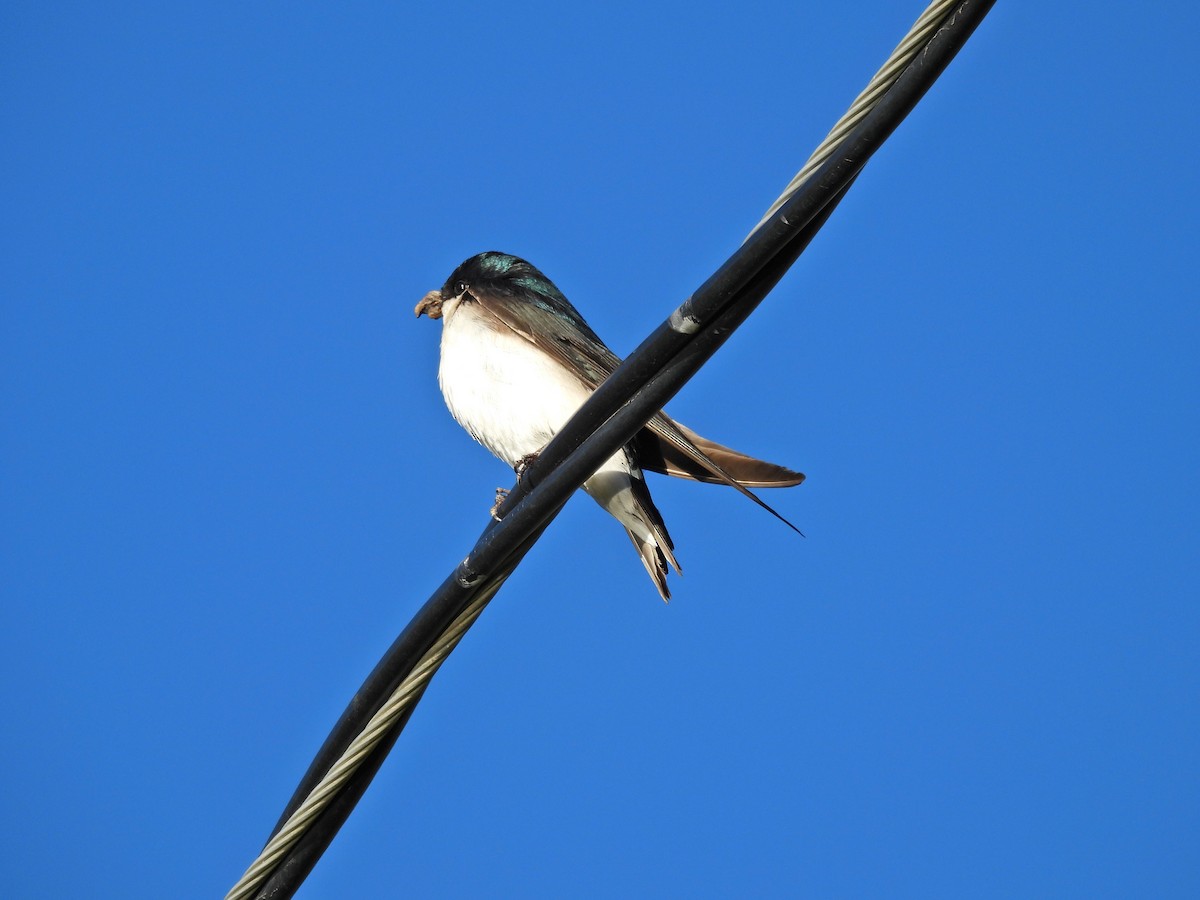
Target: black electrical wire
{"type": "Point", "coordinates": [643, 383]}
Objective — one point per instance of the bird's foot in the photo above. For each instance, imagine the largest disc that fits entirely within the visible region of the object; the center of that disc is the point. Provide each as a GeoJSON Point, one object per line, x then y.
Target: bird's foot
{"type": "Point", "coordinates": [501, 496]}
{"type": "Point", "coordinates": [524, 463]}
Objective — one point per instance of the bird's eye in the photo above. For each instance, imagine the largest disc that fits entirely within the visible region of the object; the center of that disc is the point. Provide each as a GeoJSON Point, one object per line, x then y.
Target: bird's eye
{"type": "Point", "coordinates": [461, 288]}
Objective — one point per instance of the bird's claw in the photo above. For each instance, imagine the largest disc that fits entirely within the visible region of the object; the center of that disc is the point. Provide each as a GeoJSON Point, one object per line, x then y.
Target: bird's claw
{"type": "Point", "coordinates": [501, 496]}
{"type": "Point", "coordinates": [524, 463]}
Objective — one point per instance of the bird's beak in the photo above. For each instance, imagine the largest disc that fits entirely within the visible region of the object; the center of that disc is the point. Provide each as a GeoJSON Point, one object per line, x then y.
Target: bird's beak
{"type": "Point", "coordinates": [430, 305]}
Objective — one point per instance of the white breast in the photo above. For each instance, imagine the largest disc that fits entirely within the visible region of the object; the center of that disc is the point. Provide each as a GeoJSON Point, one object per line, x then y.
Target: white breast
{"type": "Point", "coordinates": [509, 395]}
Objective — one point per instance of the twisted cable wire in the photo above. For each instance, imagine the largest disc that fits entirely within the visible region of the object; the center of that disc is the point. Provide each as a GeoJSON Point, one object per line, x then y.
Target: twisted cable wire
{"type": "Point", "coordinates": [414, 684]}
{"type": "Point", "coordinates": [358, 750]}
{"type": "Point", "coordinates": [918, 36]}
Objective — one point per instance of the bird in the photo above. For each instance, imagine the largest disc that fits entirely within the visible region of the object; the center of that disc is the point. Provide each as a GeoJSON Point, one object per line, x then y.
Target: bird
{"type": "Point", "coordinates": [516, 362]}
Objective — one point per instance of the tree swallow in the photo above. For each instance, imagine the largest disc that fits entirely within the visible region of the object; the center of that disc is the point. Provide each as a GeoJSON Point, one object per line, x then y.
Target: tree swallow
{"type": "Point", "coordinates": [517, 361]}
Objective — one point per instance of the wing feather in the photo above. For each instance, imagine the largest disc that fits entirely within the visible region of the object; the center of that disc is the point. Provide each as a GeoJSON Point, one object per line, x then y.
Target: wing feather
{"type": "Point", "coordinates": [664, 445]}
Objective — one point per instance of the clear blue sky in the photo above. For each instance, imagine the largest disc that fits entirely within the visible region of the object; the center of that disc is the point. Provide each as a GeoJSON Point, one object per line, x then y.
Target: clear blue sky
{"type": "Point", "coordinates": [230, 479]}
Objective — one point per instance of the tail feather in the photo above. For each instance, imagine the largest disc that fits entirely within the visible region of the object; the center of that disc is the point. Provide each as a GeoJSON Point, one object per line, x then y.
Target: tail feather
{"type": "Point", "coordinates": [657, 548]}
{"type": "Point", "coordinates": [649, 513]}
{"type": "Point", "coordinates": [622, 491]}
{"type": "Point", "coordinates": [656, 564]}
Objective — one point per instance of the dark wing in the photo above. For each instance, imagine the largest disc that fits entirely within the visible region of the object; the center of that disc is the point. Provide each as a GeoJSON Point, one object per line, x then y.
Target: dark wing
{"type": "Point", "coordinates": [566, 338]}
{"type": "Point", "coordinates": [669, 448]}
{"type": "Point", "coordinates": [681, 457]}
{"type": "Point", "coordinates": [662, 456]}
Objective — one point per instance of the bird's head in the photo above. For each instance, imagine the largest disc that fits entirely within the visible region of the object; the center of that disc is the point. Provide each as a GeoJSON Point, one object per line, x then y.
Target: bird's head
{"type": "Point", "coordinates": [494, 274]}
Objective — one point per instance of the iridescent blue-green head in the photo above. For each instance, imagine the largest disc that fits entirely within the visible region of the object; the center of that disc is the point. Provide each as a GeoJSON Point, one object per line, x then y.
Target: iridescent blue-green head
{"type": "Point", "coordinates": [504, 277]}
{"type": "Point", "coordinates": [493, 272]}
